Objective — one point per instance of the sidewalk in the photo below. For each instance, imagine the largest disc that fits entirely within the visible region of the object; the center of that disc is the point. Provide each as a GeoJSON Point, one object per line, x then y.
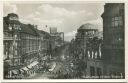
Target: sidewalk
{"type": "Point", "coordinates": [40, 76]}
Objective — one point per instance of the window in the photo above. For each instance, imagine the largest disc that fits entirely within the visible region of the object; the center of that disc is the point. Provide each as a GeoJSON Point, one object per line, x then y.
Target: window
{"type": "Point", "coordinates": [88, 54]}
{"type": "Point", "coordinates": [92, 55]}
{"type": "Point", "coordinates": [117, 39]}
{"type": "Point", "coordinates": [99, 72]}
{"type": "Point", "coordinates": [15, 36]}
{"type": "Point", "coordinates": [113, 24]}
{"type": "Point", "coordinates": [15, 53]}
{"type": "Point", "coordinates": [13, 18]}
{"type": "Point", "coordinates": [93, 32]}
{"type": "Point", "coordinates": [117, 21]}
{"type": "Point", "coordinates": [86, 33]}
{"type": "Point", "coordinates": [92, 71]}
{"type": "Point", "coordinates": [10, 27]}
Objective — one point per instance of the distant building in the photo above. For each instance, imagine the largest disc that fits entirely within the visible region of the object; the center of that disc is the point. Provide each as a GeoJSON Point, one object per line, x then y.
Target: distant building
{"type": "Point", "coordinates": [47, 44]}
{"type": "Point", "coordinates": [57, 36]}
{"type": "Point", "coordinates": [53, 30]}
{"type": "Point", "coordinates": [113, 44]}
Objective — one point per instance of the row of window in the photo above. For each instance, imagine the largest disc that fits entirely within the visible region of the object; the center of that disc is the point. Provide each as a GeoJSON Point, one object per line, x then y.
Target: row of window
{"type": "Point", "coordinates": [14, 26]}
{"type": "Point", "coordinates": [95, 55]}
{"type": "Point", "coordinates": [29, 49]}
{"type": "Point", "coordinates": [115, 21]}
{"type": "Point", "coordinates": [89, 33]}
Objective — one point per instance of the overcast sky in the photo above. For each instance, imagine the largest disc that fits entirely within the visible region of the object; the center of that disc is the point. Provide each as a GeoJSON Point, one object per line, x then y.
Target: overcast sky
{"type": "Point", "coordinates": [66, 16]}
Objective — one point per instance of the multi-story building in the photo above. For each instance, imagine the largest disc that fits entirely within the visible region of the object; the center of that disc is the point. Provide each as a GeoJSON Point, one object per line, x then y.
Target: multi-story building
{"type": "Point", "coordinates": [113, 39]}
{"type": "Point", "coordinates": [21, 45]}
{"type": "Point", "coordinates": [46, 44]}
{"type": "Point", "coordinates": [57, 36]}
{"type": "Point", "coordinates": [11, 37]}
{"type": "Point", "coordinates": [87, 47]}
{"type": "Point", "coordinates": [86, 33]}
{"type": "Point", "coordinates": [10, 43]}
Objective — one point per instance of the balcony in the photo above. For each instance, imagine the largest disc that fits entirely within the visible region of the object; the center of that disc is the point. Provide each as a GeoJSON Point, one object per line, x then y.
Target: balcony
{"type": "Point", "coordinates": [8, 38]}
{"type": "Point", "coordinates": [11, 38]}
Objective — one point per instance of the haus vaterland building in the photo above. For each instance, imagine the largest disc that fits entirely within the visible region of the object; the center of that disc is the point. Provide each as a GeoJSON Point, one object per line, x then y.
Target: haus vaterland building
{"type": "Point", "coordinates": [113, 40]}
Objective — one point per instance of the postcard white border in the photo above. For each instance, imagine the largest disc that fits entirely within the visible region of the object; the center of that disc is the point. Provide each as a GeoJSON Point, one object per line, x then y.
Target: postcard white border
{"type": "Point", "coordinates": [65, 80]}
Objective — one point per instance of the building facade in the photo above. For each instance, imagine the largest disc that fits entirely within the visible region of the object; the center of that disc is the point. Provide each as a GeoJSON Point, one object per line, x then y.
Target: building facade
{"type": "Point", "coordinates": [113, 35]}
{"type": "Point", "coordinates": [87, 48]}
{"type": "Point", "coordinates": [46, 44]}
{"type": "Point", "coordinates": [10, 43]}
{"type": "Point", "coordinates": [22, 47]}
{"type": "Point", "coordinates": [57, 36]}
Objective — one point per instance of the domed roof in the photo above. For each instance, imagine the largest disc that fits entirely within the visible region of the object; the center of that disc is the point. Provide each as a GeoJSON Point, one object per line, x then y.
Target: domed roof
{"type": "Point", "coordinates": [13, 15]}
{"type": "Point", "coordinates": [88, 26]}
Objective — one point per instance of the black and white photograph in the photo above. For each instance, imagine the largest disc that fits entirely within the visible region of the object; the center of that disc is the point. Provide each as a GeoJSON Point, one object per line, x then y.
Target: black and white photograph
{"type": "Point", "coordinates": [66, 82]}
{"type": "Point", "coordinates": [63, 40]}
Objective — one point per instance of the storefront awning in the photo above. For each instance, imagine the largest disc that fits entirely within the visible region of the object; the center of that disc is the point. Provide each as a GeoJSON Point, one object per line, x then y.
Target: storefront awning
{"type": "Point", "coordinates": [25, 68]}
{"type": "Point", "coordinates": [14, 72]}
{"type": "Point", "coordinates": [32, 64]}
{"type": "Point", "coordinates": [21, 70]}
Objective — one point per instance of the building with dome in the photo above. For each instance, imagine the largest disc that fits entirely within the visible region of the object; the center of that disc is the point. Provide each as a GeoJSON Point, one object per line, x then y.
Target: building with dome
{"type": "Point", "coordinates": [86, 35]}
{"type": "Point", "coordinates": [88, 30]}
{"type": "Point", "coordinates": [88, 49]}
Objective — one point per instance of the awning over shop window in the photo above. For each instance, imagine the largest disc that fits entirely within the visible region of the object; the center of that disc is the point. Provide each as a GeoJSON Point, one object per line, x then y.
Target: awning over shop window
{"type": "Point", "coordinates": [21, 70]}
{"type": "Point", "coordinates": [25, 68]}
{"type": "Point", "coordinates": [32, 64]}
{"type": "Point", "coordinates": [53, 65]}
{"type": "Point", "coordinates": [14, 72]}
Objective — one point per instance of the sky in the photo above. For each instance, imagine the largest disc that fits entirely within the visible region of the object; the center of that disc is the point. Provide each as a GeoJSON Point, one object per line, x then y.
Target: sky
{"type": "Point", "coordinates": [66, 16]}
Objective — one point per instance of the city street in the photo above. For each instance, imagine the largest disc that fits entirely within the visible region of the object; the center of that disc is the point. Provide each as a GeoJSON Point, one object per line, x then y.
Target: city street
{"type": "Point", "coordinates": [63, 40]}
{"type": "Point", "coordinates": [57, 67]}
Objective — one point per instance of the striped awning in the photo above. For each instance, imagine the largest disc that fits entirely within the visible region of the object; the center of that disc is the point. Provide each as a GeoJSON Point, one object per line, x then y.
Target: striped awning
{"type": "Point", "coordinates": [25, 68]}
{"type": "Point", "coordinates": [21, 70]}
{"type": "Point", "coordinates": [33, 64]}
{"type": "Point", "coordinates": [14, 72]}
